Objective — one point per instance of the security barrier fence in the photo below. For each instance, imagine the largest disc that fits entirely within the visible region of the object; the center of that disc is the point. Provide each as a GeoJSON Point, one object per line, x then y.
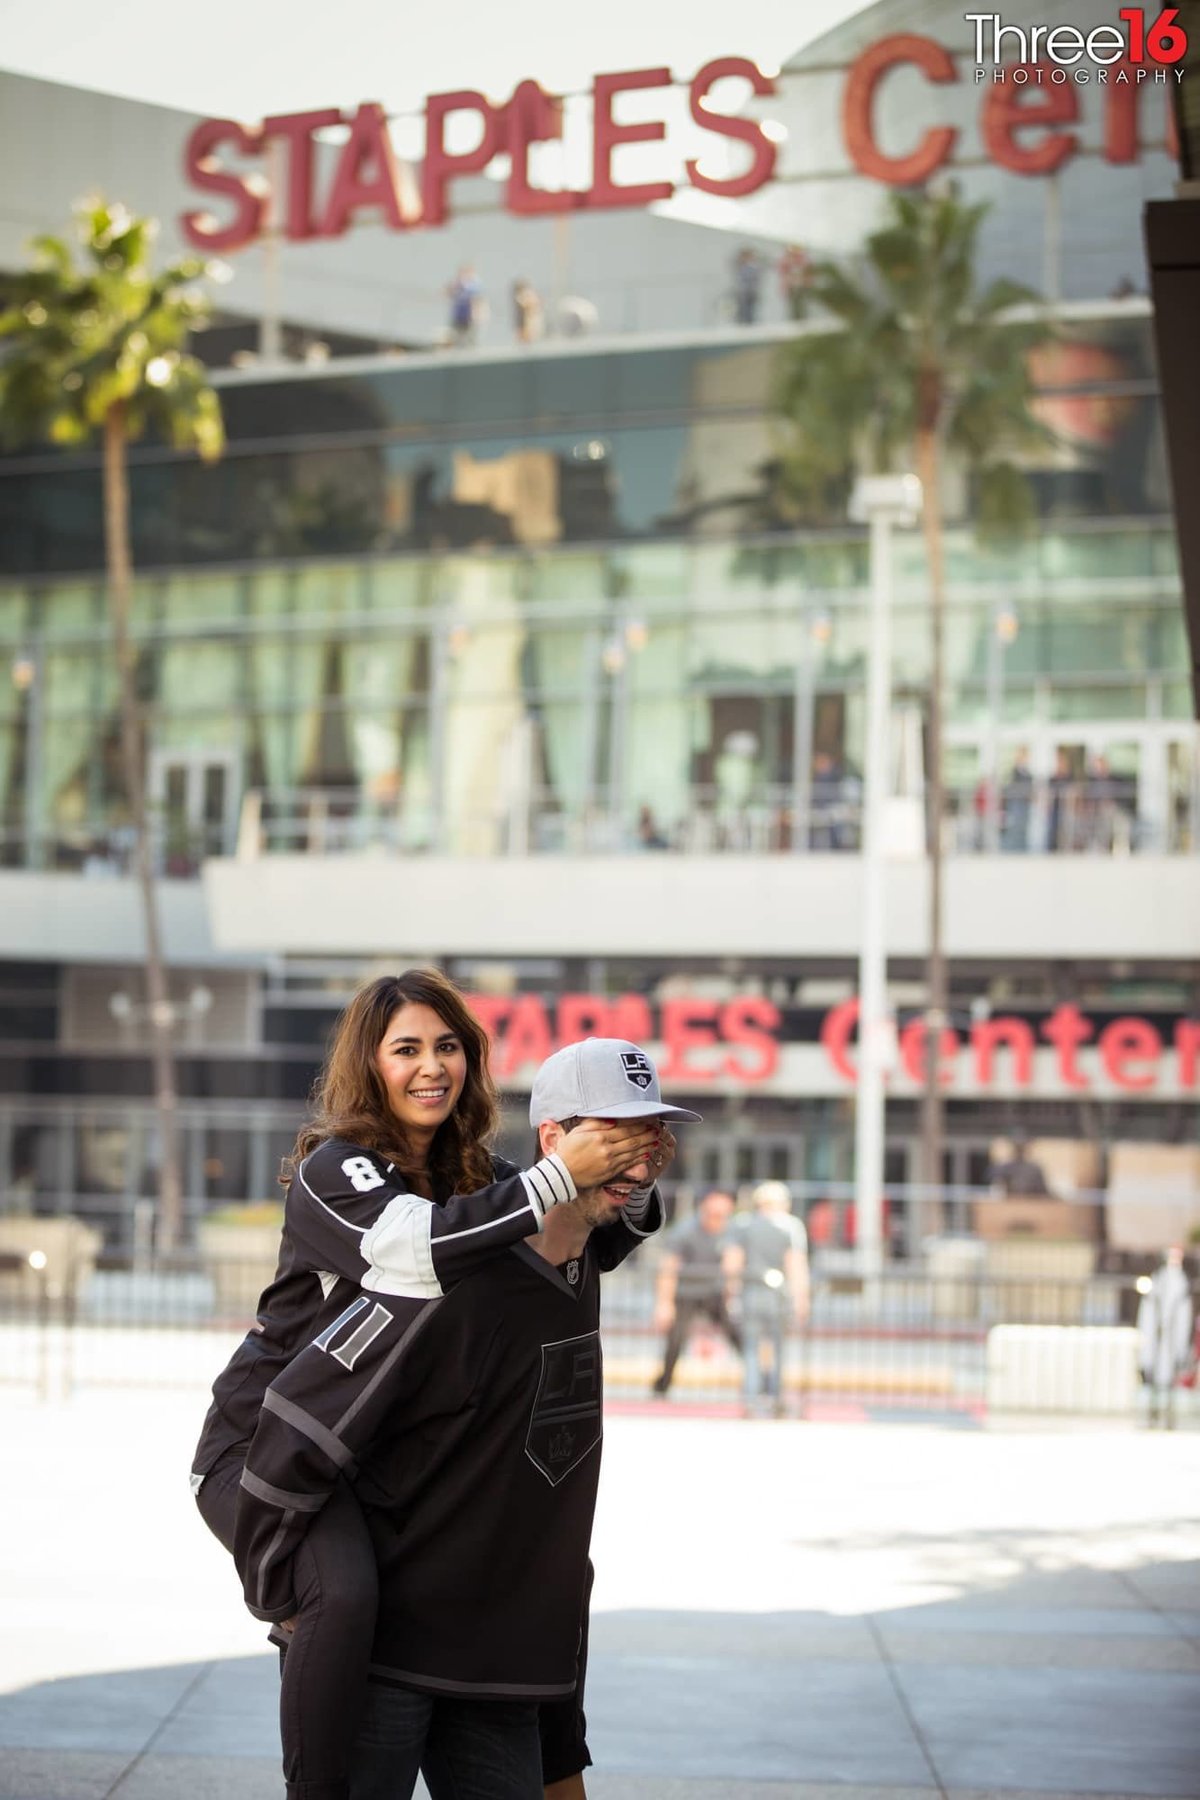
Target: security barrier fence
{"type": "Point", "coordinates": [953, 1341]}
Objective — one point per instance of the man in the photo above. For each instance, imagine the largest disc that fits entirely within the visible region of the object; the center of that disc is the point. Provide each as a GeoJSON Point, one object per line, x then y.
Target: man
{"type": "Point", "coordinates": [1018, 804]}
{"type": "Point", "coordinates": [1022, 1177]}
{"type": "Point", "coordinates": [471, 1425]}
{"type": "Point", "coordinates": [692, 1282]}
{"type": "Point", "coordinates": [768, 1255]}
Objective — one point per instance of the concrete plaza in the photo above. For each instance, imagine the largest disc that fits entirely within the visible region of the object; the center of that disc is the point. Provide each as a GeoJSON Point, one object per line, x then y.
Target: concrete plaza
{"type": "Point", "coordinates": [865, 1612]}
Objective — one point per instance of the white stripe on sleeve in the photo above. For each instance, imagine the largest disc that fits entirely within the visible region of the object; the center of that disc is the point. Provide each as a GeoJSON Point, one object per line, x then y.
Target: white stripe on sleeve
{"type": "Point", "coordinates": [548, 1184]}
{"type": "Point", "coordinates": [637, 1209]}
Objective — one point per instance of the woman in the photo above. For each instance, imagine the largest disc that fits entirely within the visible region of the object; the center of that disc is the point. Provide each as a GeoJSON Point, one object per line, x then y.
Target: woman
{"type": "Point", "coordinates": [391, 1188]}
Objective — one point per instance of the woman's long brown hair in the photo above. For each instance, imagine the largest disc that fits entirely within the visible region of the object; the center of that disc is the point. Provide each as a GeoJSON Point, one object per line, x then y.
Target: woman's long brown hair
{"type": "Point", "coordinates": [349, 1099]}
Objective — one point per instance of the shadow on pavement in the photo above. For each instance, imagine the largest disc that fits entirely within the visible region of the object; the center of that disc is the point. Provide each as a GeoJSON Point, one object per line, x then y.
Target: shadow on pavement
{"type": "Point", "coordinates": [1076, 1680]}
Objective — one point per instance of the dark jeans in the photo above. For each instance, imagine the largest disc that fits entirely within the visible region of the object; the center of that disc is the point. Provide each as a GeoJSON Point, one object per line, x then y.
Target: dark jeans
{"type": "Point", "coordinates": [324, 1669]}
{"type": "Point", "coordinates": [466, 1749]}
{"type": "Point", "coordinates": [687, 1311]}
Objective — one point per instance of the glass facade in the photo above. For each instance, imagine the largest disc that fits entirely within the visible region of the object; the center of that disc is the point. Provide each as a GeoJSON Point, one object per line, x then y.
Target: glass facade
{"type": "Point", "coordinates": [516, 702]}
{"type": "Point", "coordinates": [554, 602]}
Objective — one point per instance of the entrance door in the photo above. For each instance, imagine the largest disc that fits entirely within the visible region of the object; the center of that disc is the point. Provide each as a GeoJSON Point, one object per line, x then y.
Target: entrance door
{"type": "Point", "coordinates": [193, 803]}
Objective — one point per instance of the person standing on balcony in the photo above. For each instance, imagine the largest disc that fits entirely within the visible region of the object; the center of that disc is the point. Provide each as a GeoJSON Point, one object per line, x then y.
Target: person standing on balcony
{"type": "Point", "coordinates": [692, 1282]}
{"type": "Point", "coordinates": [768, 1258]}
{"type": "Point", "coordinates": [1060, 818]}
{"type": "Point", "coordinates": [465, 294]}
{"type": "Point", "coordinates": [393, 1191]}
{"type": "Point", "coordinates": [528, 319]}
{"type": "Point", "coordinates": [795, 274]}
{"type": "Point", "coordinates": [747, 285]}
{"type": "Point", "coordinates": [1018, 804]}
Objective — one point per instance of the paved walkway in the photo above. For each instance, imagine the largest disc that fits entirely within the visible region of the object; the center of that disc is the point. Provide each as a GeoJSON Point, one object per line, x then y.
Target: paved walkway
{"type": "Point", "coordinates": [858, 1612]}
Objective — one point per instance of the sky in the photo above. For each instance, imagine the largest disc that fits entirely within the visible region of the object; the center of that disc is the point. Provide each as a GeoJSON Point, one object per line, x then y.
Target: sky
{"type": "Point", "coordinates": [245, 58]}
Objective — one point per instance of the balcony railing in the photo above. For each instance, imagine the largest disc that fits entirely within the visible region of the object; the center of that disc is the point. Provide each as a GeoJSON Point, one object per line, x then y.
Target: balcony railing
{"type": "Point", "coordinates": [1070, 818]}
{"type": "Point", "coordinates": [1082, 817]}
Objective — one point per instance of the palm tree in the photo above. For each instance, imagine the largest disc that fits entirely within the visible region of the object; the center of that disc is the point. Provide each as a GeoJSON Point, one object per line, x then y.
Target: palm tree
{"type": "Point", "coordinates": [926, 365]}
{"type": "Point", "coordinates": [100, 352]}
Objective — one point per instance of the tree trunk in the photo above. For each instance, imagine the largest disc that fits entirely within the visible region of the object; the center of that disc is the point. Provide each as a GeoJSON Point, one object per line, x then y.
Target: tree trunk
{"type": "Point", "coordinates": [932, 1107]}
{"type": "Point", "coordinates": [159, 1011]}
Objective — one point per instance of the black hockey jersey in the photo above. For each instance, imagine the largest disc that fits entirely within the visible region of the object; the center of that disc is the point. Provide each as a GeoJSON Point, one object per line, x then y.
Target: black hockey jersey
{"type": "Point", "coordinates": [349, 1217]}
{"type": "Point", "coordinates": [471, 1426]}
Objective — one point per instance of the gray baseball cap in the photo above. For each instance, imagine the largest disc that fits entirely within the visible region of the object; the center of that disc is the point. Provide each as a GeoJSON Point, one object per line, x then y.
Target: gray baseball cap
{"type": "Point", "coordinates": [600, 1078]}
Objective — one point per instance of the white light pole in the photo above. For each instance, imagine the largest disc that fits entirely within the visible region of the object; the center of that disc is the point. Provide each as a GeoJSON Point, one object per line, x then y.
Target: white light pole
{"type": "Point", "coordinates": [882, 501]}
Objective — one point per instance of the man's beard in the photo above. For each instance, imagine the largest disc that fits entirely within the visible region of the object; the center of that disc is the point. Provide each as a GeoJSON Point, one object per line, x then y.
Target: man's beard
{"type": "Point", "coordinates": [598, 1207]}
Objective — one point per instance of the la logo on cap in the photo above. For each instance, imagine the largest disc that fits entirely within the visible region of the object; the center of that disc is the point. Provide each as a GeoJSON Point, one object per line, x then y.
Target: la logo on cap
{"type": "Point", "coordinates": [637, 1068]}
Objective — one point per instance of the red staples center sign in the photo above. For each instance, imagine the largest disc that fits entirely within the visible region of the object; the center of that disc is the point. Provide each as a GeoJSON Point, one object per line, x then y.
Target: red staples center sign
{"type": "Point", "coordinates": [1031, 81]}
{"type": "Point", "coordinates": [1130, 1051]}
{"type": "Point", "coordinates": [367, 176]}
{"type": "Point", "coordinates": [738, 1044]}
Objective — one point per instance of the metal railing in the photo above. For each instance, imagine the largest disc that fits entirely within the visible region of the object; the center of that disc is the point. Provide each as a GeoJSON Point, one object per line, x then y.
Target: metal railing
{"type": "Point", "coordinates": [915, 1338]}
{"type": "Point", "coordinates": [1048, 818]}
{"type": "Point", "coordinates": [1085, 817]}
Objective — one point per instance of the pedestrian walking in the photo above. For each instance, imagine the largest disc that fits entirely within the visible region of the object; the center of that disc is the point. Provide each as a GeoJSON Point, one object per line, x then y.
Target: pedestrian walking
{"type": "Point", "coordinates": [692, 1283]}
{"type": "Point", "coordinates": [474, 1424]}
{"type": "Point", "coordinates": [393, 1190]}
{"type": "Point", "coordinates": [1164, 1325]}
{"type": "Point", "coordinates": [768, 1258]}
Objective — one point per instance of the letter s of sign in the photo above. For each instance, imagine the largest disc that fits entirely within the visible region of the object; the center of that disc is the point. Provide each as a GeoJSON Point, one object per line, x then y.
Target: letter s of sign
{"type": "Point", "coordinates": [746, 131]}
{"type": "Point", "coordinates": [201, 230]}
{"type": "Point", "coordinates": [362, 1174]}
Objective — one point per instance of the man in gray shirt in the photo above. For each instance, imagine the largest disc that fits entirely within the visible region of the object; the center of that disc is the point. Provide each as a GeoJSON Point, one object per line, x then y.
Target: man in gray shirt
{"type": "Point", "coordinates": [768, 1256]}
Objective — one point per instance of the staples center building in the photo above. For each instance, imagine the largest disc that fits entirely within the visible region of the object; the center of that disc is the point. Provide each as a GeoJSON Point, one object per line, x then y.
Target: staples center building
{"type": "Point", "coordinates": [507, 654]}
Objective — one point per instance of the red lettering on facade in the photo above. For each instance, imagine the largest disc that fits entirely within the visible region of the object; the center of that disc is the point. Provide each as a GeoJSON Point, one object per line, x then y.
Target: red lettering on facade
{"type": "Point", "coordinates": [527, 1039]}
{"type": "Point", "coordinates": [1126, 1042]}
{"type": "Point", "coordinates": [837, 1028]}
{"type": "Point", "coordinates": [532, 118]}
{"type": "Point", "coordinates": [296, 130]}
{"type": "Point", "coordinates": [738, 1040]}
{"type": "Point", "coordinates": [990, 1035]}
{"type": "Point", "coordinates": [440, 168]}
{"type": "Point", "coordinates": [1066, 1029]}
{"type": "Point", "coordinates": [203, 173]}
{"type": "Point", "coordinates": [752, 1022]}
{"type": "Point", "coordinates": [913, 1053]}
{"type": "Point", "coordinates": [607, 135]}
{"type": "Point", "coordinates": [1009, 110]}
{"type": "Point", "coordinates": [366, 174]}
{"type": "Point", "coordinates": [858, 110]}
{"type": "Point", "coordinates": [688, 1025]}
{"type": "Point", "coordinates": [1187, 1048]}
{"type": "Point", "coordinates": [629, 1018]}
{"type": "Point", "coordinates": [744, 131]}
{"type": "Point", "coordinates": [582, 1016]}
{"type": "Point", "coordinates": [491, 1011]}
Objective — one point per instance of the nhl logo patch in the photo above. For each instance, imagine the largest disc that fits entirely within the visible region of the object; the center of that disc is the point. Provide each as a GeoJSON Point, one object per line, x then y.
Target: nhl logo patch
{"type": "Point", "coordinates": [637, 1068]}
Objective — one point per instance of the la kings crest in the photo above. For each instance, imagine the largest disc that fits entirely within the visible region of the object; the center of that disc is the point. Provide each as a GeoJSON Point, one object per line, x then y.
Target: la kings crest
{"type": "Point", "coordinates": [566, 1423]}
